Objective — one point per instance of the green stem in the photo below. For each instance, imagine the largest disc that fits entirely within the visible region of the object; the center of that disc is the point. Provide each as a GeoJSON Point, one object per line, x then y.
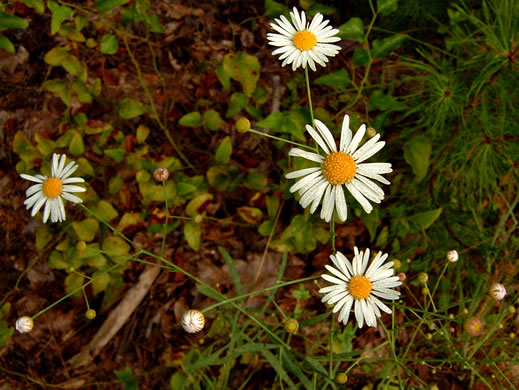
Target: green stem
{"type": "Point", "coordinates": [309, 95]}
{"type": "Point", "coordinates": [165, 231]}
{"type": "Point", "coordinates": [332, 234]}
{"type": "Point", "coordinates": [280, 139]}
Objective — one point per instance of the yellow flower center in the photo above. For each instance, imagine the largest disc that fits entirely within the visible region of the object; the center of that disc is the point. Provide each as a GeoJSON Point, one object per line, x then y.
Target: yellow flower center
{"type": "Point", "coordinates": [359, 287]}
{"type": "Point", "coordinates": [339, 168]}
{"type": "Point", "coordinates": [52, 187]}
{"type": "Point", "coordinates": [304, 40]}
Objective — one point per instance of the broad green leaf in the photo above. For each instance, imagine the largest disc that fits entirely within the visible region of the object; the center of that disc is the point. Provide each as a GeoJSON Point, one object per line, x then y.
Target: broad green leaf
{"type": "Point", "coordinates": [73, 282]}
{"type": "Point", "coordinates": [255, 181]}
{"type": "Point", "coordinates": [115, 185]}
{"type": "Point", "coordinates": [212, 120]}
{"type": "Point", "coordinates": [387, 45]}
{"type": "Point", "coordinates": [417, 153]}
{"type": "Point", "coordinates": [43, 237]}
{"type": "Point", "coordinates": [426, 219]}
{"type": "Point", "coordinates": [129, 220]}
{"type": "Point", "coordinates": [224, 151]}
{"type": "Point", "coordinates": [105, 210]}
{"type": "Point", "coordinates": [250, 215]}
{"type": "Point", "coordinates": [385, 7]}
{"type": "Point", "coordinates": [105, 6]}
{"type": "Point", "coordinates": [340, 79]}
{"type": "Point", "coordinates": [72, 65]}
{"type": "Point", "coordinates": [221, 176]}
{"type": "Point", "coordinates": [273, 9]}
{"type": "Point", "coordinates": [193, 119]}
{"type": "Point", "coordinates": [381, 101]}
{"type": "Point", "coordinates": [100, 282]}
{"type": "Point", "coordinates": [109, 44]}
{"type": "Point", "coordinates": [45, 145]}
{"type": "Point", "coordinates": [116, 247]}
{"type": "Point", "coordinates": [178, 381]}
{"type": "Point", "coordinates": [195, 205]}
{"type": "Point", "coordinates": [56, 56]}
{"type": "Point", "coordinates": [70, 32]}
{"type": "Point", "coordinates": [11, 21]}
{"type": "Point", "coordinates": [208, 292]}
{"type": "Point", "coordinates": [243, 68]}
{"type": "Point", "coordinates": [131, 108]}
{"type": "Point", "coordinates": [142, 133]}
{"type": "Point", "coordinates": [86, 229]}
{"type": "Point", "coordinates": [38, 5]}
{"type": "Point", "coordinates": [23, 148]}
{"type": "Point", "coordinates": [6, 44]}
{"type": "Point", "coordinates": [192, 234]}
{"type": "Point", "coordinates": [272, 203]}
{"type": "Point", "coordinates": [54, 86]}
{"type": "Point", "coordinates": [352, 29]}
{"type": "Point", "coordinates": [265, 228]}
{"type": "Point", "coordinates": [360, 57]}
{"type": "Point", "coordinates": [320, 8]}
{"type": "Point", "coordinates": [76, 146]}
{"type": "Point", "coordinates": [223, 77]}
{"type": "Point", "coordinates": [59, 14]}
{"type": "Point", "coordinates": [116, 154]}
{"type": "Point", "coordinates": [273, 121]}
{"type": "Point", "coordinates": [238, 102]}
{"type": "Point", "coordinates": [82, 92]}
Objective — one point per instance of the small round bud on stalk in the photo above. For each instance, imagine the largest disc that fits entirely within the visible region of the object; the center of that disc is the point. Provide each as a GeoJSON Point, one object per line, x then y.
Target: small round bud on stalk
{"type": "Point", "coordinates": [423, 277]}
{"type": "Point", "coordinates": [193, 321]}
{"type": "Point", "coordinates": [397, 264]}
{"type": "Point", "coordinates": [291, 326]}
{"type": "Point", "coordinates": [24, 324]}
{"type": "Point", "coordinates": [497, 291]}
{"type": "Point", "coordinates": [511, 309]}
{"type": "Point", "coordinates": [81, 246]}
{"type": "Point", "coordinates": [341, 378]}
{"type": "Point", "coordinates": [242, 125]}
{"type": "Point", "coordinates": [198, 218]}
{"type": "Point", "coordinates": [402, 276]}
{"type": "Point", "coordinates": [161, 174]}
{"type": "Point", "coordinates": [371, 132]}
{"type": "Point", "coordinates": [512, 335]}
{"type": "Point", "coordinates": [452, 256]}
{"type": "Point", "coordinates": [473, 326]}
{"type": "Point", "coordinates": [428, 336]}
{"type": "Point", "coordinates": [90, 314]}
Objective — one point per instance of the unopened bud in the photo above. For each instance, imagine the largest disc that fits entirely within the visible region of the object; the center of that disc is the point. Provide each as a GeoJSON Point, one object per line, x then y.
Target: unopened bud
{"type": "Point", "coordinates": [242, 125]}
{"type": "Point", "coordinates": [473, 326]}
{"type": "Point", "coordinates": [193, 321]}
{"type": "Point", "coordinates": [423, 277]}
{"type": "Point", "coordinates": [371, 132]}
{"type": "Point", "coordinates": [161, 174]}
{"type": "Point", "coordinates": [197, 218]}
{"type": "Point", "coordinates": [341, 378]}
{"type": "Point", "coordinates": [90, 314]}
{"type": "Point", "coordinates": [497, 291]}
{"type": "Point", "coordinates": [291, 325]}
{"type": "Point", "coordinates": [402, 276]}
{"type": "Point", "coordinates": [452, 256]}
{"type": "Point", "coordinates": [24, 324]}
{"type": "Point", "coordinates": [397, 264]}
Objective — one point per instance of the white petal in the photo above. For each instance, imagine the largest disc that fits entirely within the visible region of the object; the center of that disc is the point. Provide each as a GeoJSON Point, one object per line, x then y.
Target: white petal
{"type": "Point", "coordinates": [366, 147]}
{"type": "Point", "coordinates": [326, 134]}
{"type": "Point", "coordinates": [345, 133]}
{"type": "Point", "coordinates": [71, 180]}
{"type": "Point", "coordinates": [306, 181]}
{"type": "Point", "coordinates": [337, 273]}
{"type": "Point", "coordinates": [317, 138]}
{"type": "Point", "coordinates": [302, 172]}
{"type": "Point", "coordinates": [295, 152]}
{"type": "Point", "coordinates": [356, 140]}
{"type": "Point", "coordinates": [345, 312]}
{"type": "Point", "coordinates": [360, 198]}
{"type": "Point", "coordinates": [362, 155]}
{"type": "Point", "coordinates": [29, 202]}
{"type": "Point", "coordinates": [47, 210]}
{"type": "Point", "coordinates": [318, 195]}
{"type": "Point", "coordinates": [38, 205]}
{"type": "Point", "coordinates": [33, 189]}
{"type": "Point", "coordinates": [71, 198]}
{"type": "Point", "coordinates": [340, 203]}
{"type": "Point", "coordinates": [377, 262]}
{"type": "Point", "coordinates": [359, 315]}
{"type": "Point", "coordinates": [364, 190]}
{"type": "Point", "coordinates": [69, 188]}
{"type": "Point", "coordinates": [35, 179]}
{"type": "Point", "coordinates": [313, 193]}
{"type": "Point", "coordinates": [328, 204]}
{"type": "Point", "coordinates": [332, 279]}
{"type": "Point", "coordinates": [343, 260]}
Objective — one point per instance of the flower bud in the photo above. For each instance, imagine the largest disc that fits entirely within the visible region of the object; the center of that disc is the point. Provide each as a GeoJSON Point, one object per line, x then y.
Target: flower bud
{"type": "Point", "coordinates": [193, 321]}
{"type": "Point", "coordinates": [90, 314]}
{"type": "Point", "coordinates": [452, 256]}
{"type": "Point", "coordinates": [423, 277]}
{"type": "Point", "coordinates": [81, 246]}
{"type": "Point", "coordinates": [291, 325]}
{"type": "Point", "coordinates": [242, 125]}
{"type": "Point", "coordinates": [371, 132]}
{"type": "Point", "coordinates": [197, 218]}
{"type": "Point", "coordinates": [397, 264]}
{"type": "Point", "coordinates": [161, 174]}
{"type": "Point", "coordinates": [24, 324]}
{"type": "Point", "coordinates": [402, 276]}
{"type": "Point", "coordinates": [497, 291]}
{"type": "Point", "coordinates": [341, 378]}
{"type": "Point", "coordinates": [473, 326]}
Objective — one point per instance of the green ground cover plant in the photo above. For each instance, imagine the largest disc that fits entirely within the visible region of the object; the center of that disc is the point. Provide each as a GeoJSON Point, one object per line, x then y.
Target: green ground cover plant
{"type": "Point", "coordinates": [279, 195]}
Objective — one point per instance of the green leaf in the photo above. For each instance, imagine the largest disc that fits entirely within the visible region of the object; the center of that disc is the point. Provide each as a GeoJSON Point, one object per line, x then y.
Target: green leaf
{"type": "Point", "coordinates": [238, 102]}
{"type": "Point", "coordinates": [56, 56]}
{"type": "Point", "coordinates": [131, 108]}
{"type": "Point", "coordinates": [224, 151]}
{"type": "Point", "coordinates": [142, 133]}
{"type": "Point", "coordinates": [385, 7]}
{"type": "Point", "coordinates": [76, 146]}
{"type": "Point", "coordinates": [11, 21]}
{"type": "Point", "coordinates": [381, 48]}
{"type": "Point", "coordinates": [243, 68]}
{"type": "Point", "coordinates": [129, 220]}
{"type": "Point", "coordinates": [273, 9]}
{"type": "Point", "coordinates": [73, 282]}
{"type": "Point", "coordinates": [380, 101]}
{"type": "Point", "coordinates": [417, 153]}
{"type": "Point", "coordinates": [232, 268]}
{"type": "Point", "coordinates": [86, 229]}
{"type": "Point", "coordinates": [72, 65]}
{"type": "Point", "coordinates": [192, 234]}
{"type": "Point", "coordinates": [265, 228]}
{"type": "Point", "coordinates": [195, 205]}
{"type": "Point", "coordinates": [178, 381]}
{"type": "Point", "coordinates": [23, 148]}
{"type": "Point", "coordinates": [105, 210]}
{"type": "Point", "coordinates": [82, 92]}
{"type": "Point", "coordinates": [115, 247]}
{"type": "Point", "coordinates": [109, 44]}
{"type": "Point", "coordinates": [212, 120]}
{"type": "Point", "coordinates": [6, 44]}
{"type": "Point", "coordinates": [54, 86]}
{"type": "Point", "coordinates": [37, 5]}
{"type": "Point", "coordinates": [115, 185]}
{"type": "Point", "coordinates": [273, 121]}
{"type": "Point", "coordinates": [100, 282]}
{"type": "Point", "coordinates": [59, 14]}
{"type": "Point", "coordinates": [426, 219]}
{"type": "Point", "coordinates": [193, 119]}
{"type": "Point", "coordinates": [43, 237]}
{"type": "Point", "coordinates": [360, 57]}
{"type": "Point", "coordinates": [208, 292]}
{"type": "Point", "coordinates": [116, 154]}
{"type": "Point", "coordinates": [272, 203]}
{"type": "Point", "coordinates": [45, 145]}
{"type": "Point", "coordinates": [105, 6]}
{"type": "Point", "coordinates": [221, 176]}
{"type": "Point", "coordinates": [340, 79]}
{"type": "Point", "coordinates": [255, 181]}
{"type": "Point", "coordinates": [250, 215]}
{"type": "Point", "coordinates": [352, 29]}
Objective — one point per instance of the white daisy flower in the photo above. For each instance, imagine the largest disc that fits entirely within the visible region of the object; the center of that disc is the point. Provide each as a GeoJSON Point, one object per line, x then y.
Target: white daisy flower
{"type": "Point", "coordinates": [193, 321]}
{"type": "Point", "coordinates": [302, 42]}
{"type": "Point", "coordinates": [49, 191]}
{"type": "Point", "coordinates": [355, 283]}
{"type": "Point", "coordinates": [342, 166]}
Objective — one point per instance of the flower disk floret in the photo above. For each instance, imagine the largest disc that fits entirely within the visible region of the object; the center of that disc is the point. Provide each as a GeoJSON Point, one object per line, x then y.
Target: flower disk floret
{"type": "Point", "coordinates": [355, 285]}
{"type": "Point", "coordinates": [301, 42]}
{"type": "Point", "coordinates": [50, 191]}
{"type": "Point", "coordinates": [343, 166]}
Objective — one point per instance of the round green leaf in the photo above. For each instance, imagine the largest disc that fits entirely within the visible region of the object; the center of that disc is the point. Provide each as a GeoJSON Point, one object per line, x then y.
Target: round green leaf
{"type": "Point", "coordinates": [109, 44]}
